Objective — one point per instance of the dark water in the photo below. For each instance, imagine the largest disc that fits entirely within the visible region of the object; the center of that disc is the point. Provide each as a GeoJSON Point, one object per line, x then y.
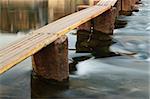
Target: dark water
{"type": "Point", "coordinates": [119, 77]}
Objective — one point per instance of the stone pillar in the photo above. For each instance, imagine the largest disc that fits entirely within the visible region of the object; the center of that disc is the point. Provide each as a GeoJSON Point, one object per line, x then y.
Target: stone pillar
{"type": "Point", "coordinates": [94, 36]}
{"type": "Point", "coordinates": [51, 62]}
{"type": "Point", "coordinates": [126, 7]}
{"type": "Point", "coordinates": [118, 7]}
{"type": "Point", "coordinates": [119, 23]}
{"type": "Point", "coordinates": [105, 22]}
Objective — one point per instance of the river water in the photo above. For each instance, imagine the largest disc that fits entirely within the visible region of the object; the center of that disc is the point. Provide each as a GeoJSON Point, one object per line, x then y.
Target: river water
{"type": "Point", "coordinates": [118, 77]}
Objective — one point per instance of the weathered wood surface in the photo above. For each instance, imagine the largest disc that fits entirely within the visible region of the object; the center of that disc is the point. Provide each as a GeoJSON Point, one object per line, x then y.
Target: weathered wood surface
{"type": "Point", "coordinates": [38, 39]}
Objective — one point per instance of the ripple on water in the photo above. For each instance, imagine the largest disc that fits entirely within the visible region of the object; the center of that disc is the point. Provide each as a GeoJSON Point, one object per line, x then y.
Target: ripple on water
{"type": "Point", "coordinates": [148, 27]}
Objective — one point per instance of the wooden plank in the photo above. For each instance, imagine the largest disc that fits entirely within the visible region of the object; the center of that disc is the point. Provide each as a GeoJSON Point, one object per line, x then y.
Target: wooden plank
{"type": "Point", "coordinates": [38, 39]}
{"type": "Point", "coordinates": [107, 2]}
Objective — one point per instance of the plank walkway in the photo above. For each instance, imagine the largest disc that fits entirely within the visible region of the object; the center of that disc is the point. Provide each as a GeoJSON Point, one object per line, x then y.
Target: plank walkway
{"type": "Point", "coordinates": [21, 49]}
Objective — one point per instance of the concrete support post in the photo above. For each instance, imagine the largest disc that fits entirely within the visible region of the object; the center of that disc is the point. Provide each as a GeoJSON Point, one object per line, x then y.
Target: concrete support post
{"type": "Point", "coordinates": [93, 36]}
{"type": "Point", "coordinates": [105, 22]}
{"type": "Point", "coordinates": [118, 7]}
{"type": "Point", "coordinates": [128, 6]}
{"type": "Point", "coordinates": [51, 62]}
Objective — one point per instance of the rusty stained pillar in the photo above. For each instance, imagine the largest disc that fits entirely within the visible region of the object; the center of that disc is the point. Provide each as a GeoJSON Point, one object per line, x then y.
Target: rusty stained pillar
{"type": "Point", "coordinates": [118, 7]}
{"type": "Point", "coordinates": [119, 23]}
{"type": "Point", "coordinates": [94, 36]}
{"type": "Point", "coordinates": [51, 62]}
{"type": "Point", "coordinates": [127, 7]}
{"type": "Point", "coordinates": [105, 22]}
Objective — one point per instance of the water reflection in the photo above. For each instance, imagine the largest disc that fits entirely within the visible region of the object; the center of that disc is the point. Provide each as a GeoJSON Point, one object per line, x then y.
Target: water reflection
{"type": "Point", "coordinates": [47, 89]}
{"type": "Point", "coordinates": [15, 84]}
{"type": "Point", "coordinates": [18, 16]}
{"type": "Point", "coordinates": [25, 15]}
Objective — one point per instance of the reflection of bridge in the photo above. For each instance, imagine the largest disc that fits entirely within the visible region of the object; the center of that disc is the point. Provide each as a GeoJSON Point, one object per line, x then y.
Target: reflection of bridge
{"type": "Point", "coordinates": [18, 15]}
{"type": "Point", "coordinates": [48, 45]}
{"type": "Point", "coordinates": [22, 15]}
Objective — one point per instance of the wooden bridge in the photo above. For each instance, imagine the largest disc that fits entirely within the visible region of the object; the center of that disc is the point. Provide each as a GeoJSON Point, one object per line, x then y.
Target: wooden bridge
{"type": "Point", "coordinates": [48, 45]}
